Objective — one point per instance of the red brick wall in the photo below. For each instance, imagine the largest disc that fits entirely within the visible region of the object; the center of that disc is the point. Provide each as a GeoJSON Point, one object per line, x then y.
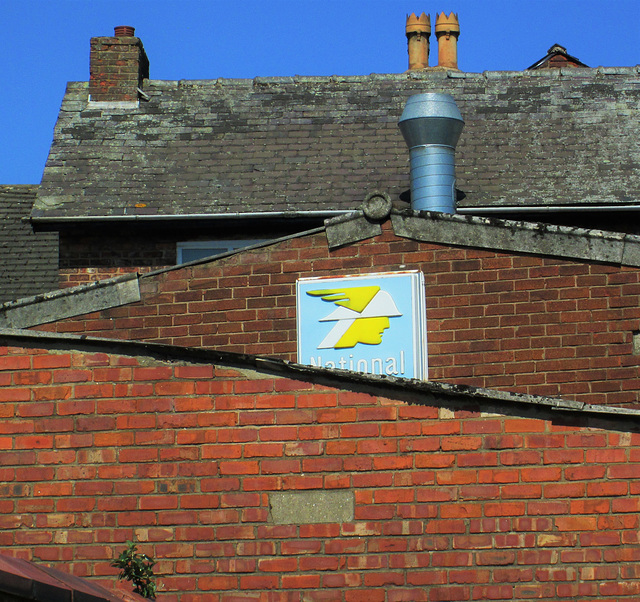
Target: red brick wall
{"type": "Point", "coordinates": [450, 503]}
{"type": "Point", "coordinates": [496, 320]}
{"type": "Point", "coordinates": [78, 276]}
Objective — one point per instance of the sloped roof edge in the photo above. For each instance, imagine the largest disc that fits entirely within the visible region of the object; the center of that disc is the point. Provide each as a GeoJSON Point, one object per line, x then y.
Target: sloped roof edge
{"type": "Point", "coordinates": [557, 50]}
{"type": "Point", "coordinates": [408, 390]}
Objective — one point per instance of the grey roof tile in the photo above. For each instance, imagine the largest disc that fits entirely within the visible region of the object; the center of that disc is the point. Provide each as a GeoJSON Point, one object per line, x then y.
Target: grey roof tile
{"type": "Point", "coordinates": [321, 143]}
{"type": "Point", "coordinates": [29, 260]}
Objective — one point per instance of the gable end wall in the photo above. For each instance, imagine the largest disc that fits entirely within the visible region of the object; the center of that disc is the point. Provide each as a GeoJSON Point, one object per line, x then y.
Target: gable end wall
{"type": "Point", "coordinates": [495, 319]}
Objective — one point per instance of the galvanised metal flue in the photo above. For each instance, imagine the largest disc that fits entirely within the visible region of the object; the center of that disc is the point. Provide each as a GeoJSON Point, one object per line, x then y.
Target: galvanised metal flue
{"type": "Point", "coordinates": [431, 125]}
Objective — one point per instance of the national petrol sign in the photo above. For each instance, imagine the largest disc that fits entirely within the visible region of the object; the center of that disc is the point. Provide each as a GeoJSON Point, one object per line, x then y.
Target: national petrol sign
{"type": "Point", "coordinates": [372, 323]}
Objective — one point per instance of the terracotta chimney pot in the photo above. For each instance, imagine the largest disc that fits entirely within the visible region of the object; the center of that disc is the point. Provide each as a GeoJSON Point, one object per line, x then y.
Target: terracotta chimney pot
{"type": "Point", "coordinates": [124, 31]}
{"type": "Point", "coordinates": [418, 30]}
{"type": "Point", "coordinates": [447, 32]}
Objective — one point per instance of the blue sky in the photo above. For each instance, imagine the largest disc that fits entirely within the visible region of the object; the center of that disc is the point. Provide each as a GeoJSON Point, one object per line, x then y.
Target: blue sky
{"type": "Point", "coordinates": [45, 43]}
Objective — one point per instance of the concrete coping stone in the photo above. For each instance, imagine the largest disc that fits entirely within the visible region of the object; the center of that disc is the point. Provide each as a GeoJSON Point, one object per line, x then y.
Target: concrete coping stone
{"type": "Point", "coordinates": [532, 238]}
{"type": "Point", "coordinates": [67, 303]}
{"type": "Point", "coordinates": [68, 292]}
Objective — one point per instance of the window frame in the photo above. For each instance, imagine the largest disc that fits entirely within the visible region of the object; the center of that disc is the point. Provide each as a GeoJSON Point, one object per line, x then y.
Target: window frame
{"type": "Point", "coordinates": [222, 245]}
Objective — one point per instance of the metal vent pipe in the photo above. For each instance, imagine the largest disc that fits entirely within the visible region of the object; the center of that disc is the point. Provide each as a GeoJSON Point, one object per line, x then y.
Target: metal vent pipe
{"type": "Point", "coordinates": [431, 125]}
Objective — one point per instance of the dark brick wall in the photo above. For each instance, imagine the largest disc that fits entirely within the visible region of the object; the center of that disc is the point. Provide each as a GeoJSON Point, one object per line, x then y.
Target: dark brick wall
{"type": "Point", "coordinates": [498, 320]}
{"type": "Point", "coordinates": [115, 251]}
{"type": "Point", "coordinates": [103, 250]}
{"type": "Point", "coordinates": [449, 503]}
{"type": "Point", "coordinates": [100, 253]}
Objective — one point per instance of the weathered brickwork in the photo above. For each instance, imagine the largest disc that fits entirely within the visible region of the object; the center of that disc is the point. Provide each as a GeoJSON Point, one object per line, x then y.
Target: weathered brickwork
{"type": "Point", "coordinates": [498, 320]}
{"type": "Point", "coordinates": [117, 67]}
{"type": "Point", "coordinates": [96, 251]}
{"type": "Point", "coordinates": [449, 503]}
{"type": "Point", "coordinates": [78, 276]}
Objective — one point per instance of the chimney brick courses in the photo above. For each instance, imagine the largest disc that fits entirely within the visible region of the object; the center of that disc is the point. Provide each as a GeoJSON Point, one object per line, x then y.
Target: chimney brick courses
{"type": "Point", "coordinates": [118, 65]}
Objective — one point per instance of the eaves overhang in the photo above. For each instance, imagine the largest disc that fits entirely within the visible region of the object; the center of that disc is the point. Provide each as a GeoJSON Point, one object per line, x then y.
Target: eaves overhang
{"type": "Point", "coordinates": [181, 217]}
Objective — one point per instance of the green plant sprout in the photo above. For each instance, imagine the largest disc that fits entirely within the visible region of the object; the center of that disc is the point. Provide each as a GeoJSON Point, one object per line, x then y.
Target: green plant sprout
{"type": "Point", "coordinates": [137, 568]}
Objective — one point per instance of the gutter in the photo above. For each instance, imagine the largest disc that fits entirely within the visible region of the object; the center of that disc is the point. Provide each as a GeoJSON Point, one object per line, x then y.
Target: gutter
{"type": "Point", "coordinates": [546, 209]}
{"type": "Point", "coordinates": [322, 214]}
{"type": "Point", "coordinates": [189, 216]}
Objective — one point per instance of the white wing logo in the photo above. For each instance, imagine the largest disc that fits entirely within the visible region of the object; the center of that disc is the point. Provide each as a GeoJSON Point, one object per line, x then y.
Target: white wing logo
{"type": "Point", "coordinates": [362, 315]}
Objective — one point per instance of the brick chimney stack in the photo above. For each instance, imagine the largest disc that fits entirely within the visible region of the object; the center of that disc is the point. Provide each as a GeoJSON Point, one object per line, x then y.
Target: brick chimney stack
{"type": "Point", "coordinates": [447, 32]}
{"type": "Point", "coordinates": [418, 30]}
{"type": "Point", "coordinates": [117, 66]}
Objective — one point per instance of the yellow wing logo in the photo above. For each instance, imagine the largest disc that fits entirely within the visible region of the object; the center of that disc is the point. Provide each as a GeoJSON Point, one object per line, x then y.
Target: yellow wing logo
{"type": "Point", "coordinates": [362, 315]}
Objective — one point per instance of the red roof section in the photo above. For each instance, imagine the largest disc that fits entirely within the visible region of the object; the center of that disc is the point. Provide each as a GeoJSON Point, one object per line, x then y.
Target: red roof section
{"type": "Point", "coordinates": [43, 584]}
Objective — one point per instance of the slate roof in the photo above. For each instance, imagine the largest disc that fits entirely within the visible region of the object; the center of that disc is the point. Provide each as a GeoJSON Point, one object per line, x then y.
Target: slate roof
{"type": "Point", "coordinates": [562, 136]}
{"type": "Point", "coordinates": [29, 260]}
